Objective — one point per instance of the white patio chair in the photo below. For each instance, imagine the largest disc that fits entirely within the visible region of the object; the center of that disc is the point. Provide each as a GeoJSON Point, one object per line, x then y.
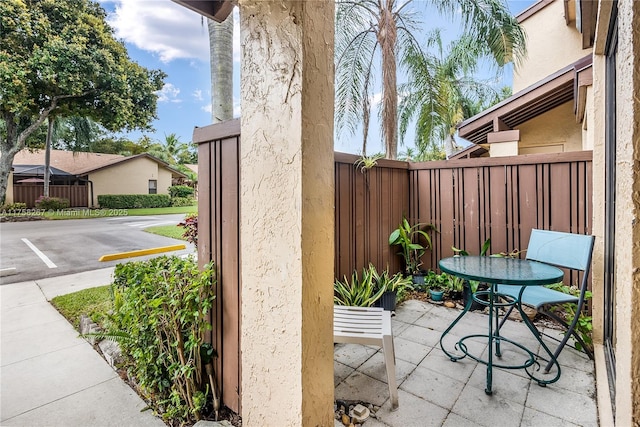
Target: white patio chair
{"type": "Point", "coordinates": [368, 326]}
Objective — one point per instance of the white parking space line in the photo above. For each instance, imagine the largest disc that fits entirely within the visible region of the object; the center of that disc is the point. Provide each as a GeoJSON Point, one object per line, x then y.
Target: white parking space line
{"type": "Point", "coordinates": [130, 218]}
{"type": "Point", "coordinates": [156, 223]}
{"type": "Point", "coordinates": [42, 256]}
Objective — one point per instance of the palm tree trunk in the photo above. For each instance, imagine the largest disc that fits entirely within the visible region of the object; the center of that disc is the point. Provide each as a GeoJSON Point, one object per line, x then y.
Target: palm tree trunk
{"type": "Point", "coordinates": [221, 59]}
{"type": "Point", "coordinates": [47, 156]}
{"type": "Point", "coordinates": [387, 38]}
{"type": "Point", "coordinates": [366, 115]}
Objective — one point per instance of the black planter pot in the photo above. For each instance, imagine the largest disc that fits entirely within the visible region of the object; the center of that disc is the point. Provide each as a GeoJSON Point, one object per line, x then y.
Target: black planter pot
{"type": "Point", "coordinates": [388, 301]}
{"type": "Point", "coordinates": [466, 296]}
{"type": "Point", "coordinates": [418, 279]}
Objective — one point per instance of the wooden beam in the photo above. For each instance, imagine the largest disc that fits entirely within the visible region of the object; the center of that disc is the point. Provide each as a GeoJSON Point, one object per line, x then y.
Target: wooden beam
{"type": "Point", "coordinates": [218, 10]}
{"type": "Point", "coordinates": [499, 125]}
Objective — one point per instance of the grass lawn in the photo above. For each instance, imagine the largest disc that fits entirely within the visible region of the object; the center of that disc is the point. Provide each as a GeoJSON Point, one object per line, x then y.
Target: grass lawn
{"type": "Point", "coordinates": [83, 213]}
{"type": "Point", "coordinates": [94, 302]}
{"type": "Point", "coordinates": [173, 231]}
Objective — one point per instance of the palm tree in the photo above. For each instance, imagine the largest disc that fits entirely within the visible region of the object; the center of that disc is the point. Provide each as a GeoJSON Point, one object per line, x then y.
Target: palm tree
{"type": "Point", "coordinates": [442, 92]}
{"type": "Point", "coordinates": [221, 59]}
{"type": "Point", "coordinates": [368, 28]}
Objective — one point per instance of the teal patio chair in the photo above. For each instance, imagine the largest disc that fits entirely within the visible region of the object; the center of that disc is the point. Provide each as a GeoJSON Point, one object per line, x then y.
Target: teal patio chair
{"type": "Point", "coordinates": [564, 250]}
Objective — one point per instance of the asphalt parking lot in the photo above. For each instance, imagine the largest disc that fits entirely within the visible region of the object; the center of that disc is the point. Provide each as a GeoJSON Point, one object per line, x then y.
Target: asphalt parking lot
{"type": "Point", "coordinates": [39, 249]}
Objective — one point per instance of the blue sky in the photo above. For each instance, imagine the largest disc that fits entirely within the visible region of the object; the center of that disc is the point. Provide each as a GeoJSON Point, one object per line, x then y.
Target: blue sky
{"type": "Point", "coordinates": [160, 34]}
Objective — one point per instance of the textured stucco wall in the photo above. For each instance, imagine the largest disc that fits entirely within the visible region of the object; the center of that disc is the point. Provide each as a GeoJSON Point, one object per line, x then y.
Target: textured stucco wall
{"type": "Point", "coordinates": [587, 121]}
{"type": "Point", "coordinates": [556, 128]}
{"type": "Point", "coordinates": [130, 177]}
{"type": "Point", "coordinates": [597, 126]}
{"type": "Point", "coordinates": [551, 45]}
{"type": "Point", "coordinates": [286, 196]}
{"type": "Point", "coordinates": [628, 215]}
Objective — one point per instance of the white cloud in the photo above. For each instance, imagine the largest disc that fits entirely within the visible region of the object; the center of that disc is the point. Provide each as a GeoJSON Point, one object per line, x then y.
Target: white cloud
{"type": "Point", "coordinates": [197, 94]}
{"type": "Point", "coordinates": [169, 93]}
{"type": "Point", "coordinates": [236, 107]}
{"type": "Point", "coordinates": [161, 26]}
{"type": "Point", "coordinates": [375, 99]}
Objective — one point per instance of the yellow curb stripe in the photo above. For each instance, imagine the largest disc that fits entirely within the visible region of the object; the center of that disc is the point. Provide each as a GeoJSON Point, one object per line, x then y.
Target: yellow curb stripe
{"type": "Point", "coordinates": [141, 252]}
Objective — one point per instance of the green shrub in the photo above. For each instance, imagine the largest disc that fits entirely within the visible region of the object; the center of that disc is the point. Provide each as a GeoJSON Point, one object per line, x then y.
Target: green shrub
{"type": "Point", "coordinates": [180, 191]}
{"type": "Point", "coordinates": [190, 225]}
{"type": "Point", "coordinates": [584, 327]}
{"type": "Point", "coordinates": [183, 201]}
{"type": "Point", "coordinates": [160, 318]}
{"type": "Point", "coordinates": [9, 207]}
{"type": "Point", "coordinates": [132, 201]}
{"type": "Point", "coordinates": [44, 202]}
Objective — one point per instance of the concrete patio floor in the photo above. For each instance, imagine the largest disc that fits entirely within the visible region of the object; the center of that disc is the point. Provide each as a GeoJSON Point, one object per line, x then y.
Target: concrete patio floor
{"type": "Point", "coordinates": [433, 391]}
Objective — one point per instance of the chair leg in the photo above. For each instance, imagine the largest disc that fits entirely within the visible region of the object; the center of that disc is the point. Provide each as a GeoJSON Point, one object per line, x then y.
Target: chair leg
{"type": "Point", "coordinates": [390, 363]}
{"type": "Point", "coordinates": [569, 331]}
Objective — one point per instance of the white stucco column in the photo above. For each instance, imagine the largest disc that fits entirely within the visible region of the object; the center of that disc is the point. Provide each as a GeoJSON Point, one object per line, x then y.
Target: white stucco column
{"type": "Point", "coordinates": [286, 212]}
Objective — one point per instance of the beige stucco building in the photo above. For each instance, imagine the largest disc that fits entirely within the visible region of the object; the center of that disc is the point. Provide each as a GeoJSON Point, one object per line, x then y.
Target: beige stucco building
{"type": "Point", "coordinates": [579, 89]}
{"type": "Point", "coordinates": [549, 109]}
{"type": "Point", "coordinates": [96, 173]}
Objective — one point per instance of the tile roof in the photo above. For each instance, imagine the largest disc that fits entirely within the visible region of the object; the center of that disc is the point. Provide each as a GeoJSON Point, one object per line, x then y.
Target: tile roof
{"type": "Point", "coordinates": [82, 163]}
{"type": "Point", "coordinates": [67, 161]}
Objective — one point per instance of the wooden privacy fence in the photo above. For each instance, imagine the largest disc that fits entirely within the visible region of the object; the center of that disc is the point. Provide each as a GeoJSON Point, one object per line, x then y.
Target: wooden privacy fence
{"type": "Point", "coordinates": [219, 240]}
{"type": "Point", "coordinates": [369, 205]}
{"type": "Point", "coordinates": [501, 199]}
{"type": "Point", "coordinates": [468, 201]}
{"type": "Point", "coordinates": [28, 193]}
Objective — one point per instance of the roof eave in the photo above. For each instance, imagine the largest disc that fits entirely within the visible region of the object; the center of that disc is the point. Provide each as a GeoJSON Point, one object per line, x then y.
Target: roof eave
{"type": "Point", "coordinates": [217, 10]}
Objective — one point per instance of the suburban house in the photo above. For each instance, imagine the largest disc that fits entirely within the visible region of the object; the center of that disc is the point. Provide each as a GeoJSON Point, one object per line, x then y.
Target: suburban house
{"type": "Point", "coordinates": [577, 92]}
{"type": "Point", "coordinates": [81, 177]}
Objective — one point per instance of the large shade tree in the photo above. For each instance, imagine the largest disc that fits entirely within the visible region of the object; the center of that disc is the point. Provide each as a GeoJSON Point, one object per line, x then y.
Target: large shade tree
{"type": "Point", "coordinates": [442, 91]}
{"type": "Point", "coordinates": [384, 30]}
{"type": "Point", "coordinates": [60, 58]}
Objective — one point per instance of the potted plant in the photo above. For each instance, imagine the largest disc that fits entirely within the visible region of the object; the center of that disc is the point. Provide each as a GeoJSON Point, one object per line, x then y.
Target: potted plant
{"type": "Point", "coordinates": [394, 286]}
{"type": "Point", "coordinates": [358, 291]}
{"type": "Point", "coordinates": [408, 237]}
{"type": "Point", "coordinates": [438, 285]}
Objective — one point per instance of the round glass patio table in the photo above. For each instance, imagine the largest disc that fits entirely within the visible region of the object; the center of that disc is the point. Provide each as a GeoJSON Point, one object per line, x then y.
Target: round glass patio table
{"type": "Point", "coordinates": [493, 271]}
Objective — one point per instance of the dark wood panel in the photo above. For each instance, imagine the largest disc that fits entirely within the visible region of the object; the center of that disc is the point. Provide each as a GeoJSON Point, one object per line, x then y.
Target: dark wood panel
{"type": "Point", "coordinates": [29, 193]}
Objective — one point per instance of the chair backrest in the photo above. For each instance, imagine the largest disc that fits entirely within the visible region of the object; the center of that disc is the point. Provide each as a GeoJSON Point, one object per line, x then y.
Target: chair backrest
{"type": "Point", "coordinates": [561, 249]}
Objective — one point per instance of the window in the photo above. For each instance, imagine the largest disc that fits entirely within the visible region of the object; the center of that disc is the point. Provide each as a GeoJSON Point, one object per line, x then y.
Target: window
{"type": "Point", "coordinates": [153, 186]}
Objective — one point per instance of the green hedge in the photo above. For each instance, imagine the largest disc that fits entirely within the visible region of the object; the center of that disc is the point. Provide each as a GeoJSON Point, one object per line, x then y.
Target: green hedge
{"type": "Point", "coordinates": [44, 202]}
{"type": "Point", "coordinates": [131, 201]}
{"type": "Point", "coordinates": [183, 201]}
{"type": "Point", "coordinates": [180, 191]}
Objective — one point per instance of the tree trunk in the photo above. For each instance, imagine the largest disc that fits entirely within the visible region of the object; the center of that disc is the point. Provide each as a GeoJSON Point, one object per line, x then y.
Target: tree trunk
{"type": "Point", "coordinates": [387, 39]}
{"type": "Point", "coordinates": [47, 156]}
{"type": "Point", "coordinates": [221, 58]}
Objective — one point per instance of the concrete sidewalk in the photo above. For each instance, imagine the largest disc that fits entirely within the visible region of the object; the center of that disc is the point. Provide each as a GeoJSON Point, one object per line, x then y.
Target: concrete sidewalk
{"type": "Point", "coordinates": [48, 375]}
